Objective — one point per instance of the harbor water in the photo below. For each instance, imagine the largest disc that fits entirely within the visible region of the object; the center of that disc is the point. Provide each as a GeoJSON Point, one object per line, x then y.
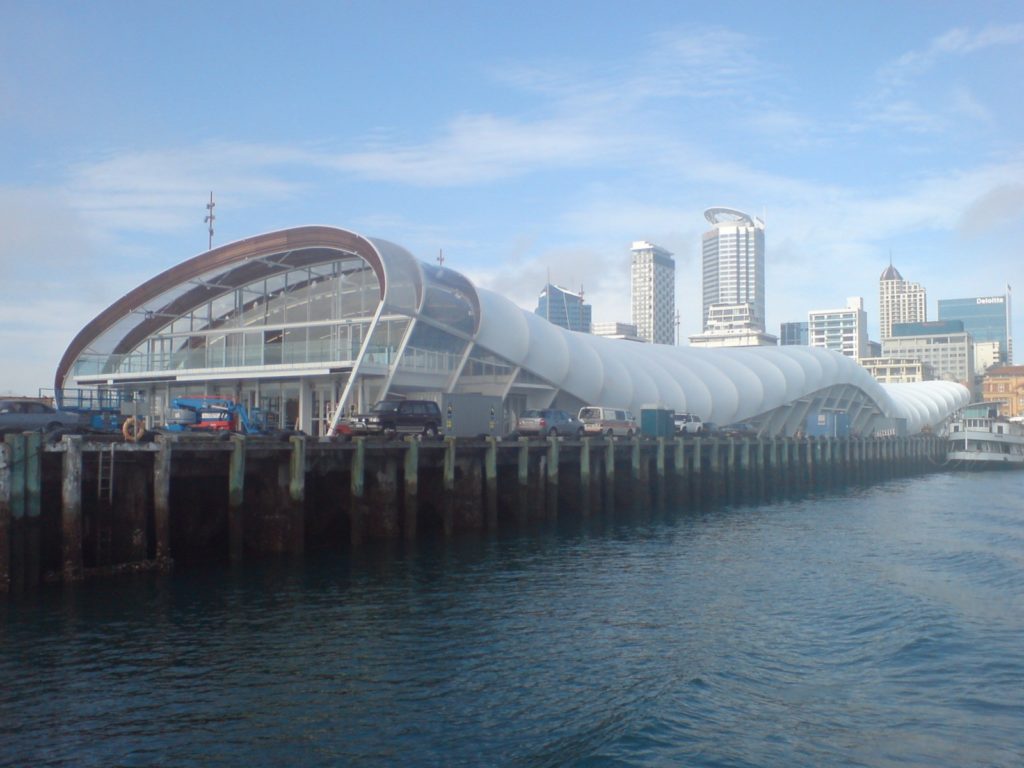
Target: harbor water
{"type": "Point", "coordinates": [879, 626]}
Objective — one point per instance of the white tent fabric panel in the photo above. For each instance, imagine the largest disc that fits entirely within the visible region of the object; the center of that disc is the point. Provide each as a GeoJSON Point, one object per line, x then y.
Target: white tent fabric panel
{"type": "Point", "coordinates": [719, 385]}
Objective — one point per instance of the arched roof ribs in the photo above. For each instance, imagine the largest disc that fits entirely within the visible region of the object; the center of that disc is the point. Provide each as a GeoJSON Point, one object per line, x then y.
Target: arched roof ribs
{"type": "Point", "coordinates": [299, 244]}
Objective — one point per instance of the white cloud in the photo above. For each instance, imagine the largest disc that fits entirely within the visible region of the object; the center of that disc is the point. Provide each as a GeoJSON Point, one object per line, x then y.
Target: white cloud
{"type": "Point", "coordinates": [958, 41]}
{"type": "Point", "coordinates": [483, 148]}
{"type": "Point", "coordinates": [159, 191]}
{"type": "Point", "coordinates": [898, 101]}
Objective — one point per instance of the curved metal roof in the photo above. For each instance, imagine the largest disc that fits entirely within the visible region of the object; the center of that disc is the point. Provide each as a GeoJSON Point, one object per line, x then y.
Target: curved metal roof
{"type": "Point", "coordinates": [720, 385]}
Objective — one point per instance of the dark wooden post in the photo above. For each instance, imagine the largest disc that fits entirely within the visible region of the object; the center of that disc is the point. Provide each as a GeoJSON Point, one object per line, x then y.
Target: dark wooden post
{"type": "Point", "coordinates": [236, 499]}
{"type": "Point", "coordinates": [71, 509]}
{"type": "Point", "coordinates": [357, 492]}
{"type": "Point", "coordinates": [162, 500]}
{"type": "Point", "coordinates": [297, 494]}
{"type": "Point", "coordinates": [5, 518]}
{"type": "Point", "coordinates": [411, 471]}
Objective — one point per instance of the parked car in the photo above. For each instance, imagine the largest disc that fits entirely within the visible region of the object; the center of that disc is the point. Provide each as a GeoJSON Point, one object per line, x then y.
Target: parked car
{"type": "Point", "coordinates": [740, 429]}
{"type": "Point", "coordinates": [391, 417]}
{"type": "Point", "coordinates": [598, 420]}
{"type": "Point", "coordinates": [549, 422]}
{"type": "Point", "coordinates": [17, 415]}
{"type": "Point", "coordinates": [688, 424]}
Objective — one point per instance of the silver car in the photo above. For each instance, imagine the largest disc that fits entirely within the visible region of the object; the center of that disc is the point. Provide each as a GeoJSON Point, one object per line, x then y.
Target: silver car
{"type": "Point", "coordinates": [549, 422]}
{"type": "Point", "coordinates": [18, 415]}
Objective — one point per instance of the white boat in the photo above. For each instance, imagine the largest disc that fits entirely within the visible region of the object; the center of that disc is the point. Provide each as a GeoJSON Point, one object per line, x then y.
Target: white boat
{"type": "Point", "coordinates": [979, 438]}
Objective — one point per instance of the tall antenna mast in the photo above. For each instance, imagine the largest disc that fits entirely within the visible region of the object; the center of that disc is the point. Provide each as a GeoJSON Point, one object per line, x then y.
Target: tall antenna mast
{"type": "Point", "coordinates": [210, 218]}
{"type": "Point", "coordinates": [440, 257]}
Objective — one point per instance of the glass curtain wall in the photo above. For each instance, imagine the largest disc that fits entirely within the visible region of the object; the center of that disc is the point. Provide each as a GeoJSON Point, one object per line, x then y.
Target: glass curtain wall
{"type": "Point", "coordinates": [313, 314]}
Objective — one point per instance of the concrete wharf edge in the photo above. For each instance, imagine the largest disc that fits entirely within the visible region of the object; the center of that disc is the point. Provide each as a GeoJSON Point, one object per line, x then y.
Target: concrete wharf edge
{"type": "Point", "coordinates": [82, 507]}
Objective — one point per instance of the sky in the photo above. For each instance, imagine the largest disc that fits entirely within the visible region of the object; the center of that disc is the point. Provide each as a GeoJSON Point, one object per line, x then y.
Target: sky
{"type": "Point", "coordinates": [521, 140]}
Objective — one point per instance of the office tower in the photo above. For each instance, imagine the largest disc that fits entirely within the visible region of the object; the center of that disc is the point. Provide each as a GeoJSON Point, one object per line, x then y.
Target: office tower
{"type": "Point", "coordinates": [986, 318]}
{"type": "Point", "coordinates": [841, 330]}
{"type": "Point", "coordinates": [943, 344]}
{"type": "Point", "coordinates": [564, 308]}
{"type": "Point", "coordinates": [733, 269]}
{"type": "Point", "coordinates": [899, 301]}
{"type": "Point", "coordinates": [653, 282]}
{"type": "Point", "coordinates": [793, 334]}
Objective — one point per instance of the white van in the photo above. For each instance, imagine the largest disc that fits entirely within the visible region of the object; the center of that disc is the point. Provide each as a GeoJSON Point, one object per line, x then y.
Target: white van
{"type": "Point", "coordinates": [598, 420]}
{"type": "Point", "coordinates": [688, 424]}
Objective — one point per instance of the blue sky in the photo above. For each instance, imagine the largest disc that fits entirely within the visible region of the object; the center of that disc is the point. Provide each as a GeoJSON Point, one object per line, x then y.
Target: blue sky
{"type": "Point", "coordinates": [520, 139]}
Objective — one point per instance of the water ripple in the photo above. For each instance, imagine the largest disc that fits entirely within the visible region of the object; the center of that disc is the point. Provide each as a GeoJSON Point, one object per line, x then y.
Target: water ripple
{"type": "Point", "coordinates": [877, 628]}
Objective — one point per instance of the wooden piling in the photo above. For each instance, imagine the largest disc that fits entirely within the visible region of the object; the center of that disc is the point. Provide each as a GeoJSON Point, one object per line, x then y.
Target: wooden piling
{"type": "Point", "coordinates": [16, 444]}
{"type": "Point", "coordinates": [523, 480]}
{"type": "Point", "coordinates": [236, 498]}
{"type": "Point", "coordinates": [448, 514]}
{"type": "Point", "coordinates": [680, 485]}
{"type": "Point", "coordinates": [5, 518]}
{"type": "Point", "coordinates": [162, 500]}
{"type": "Point", "coordinates": [491, 482]}
{"type": "Point", "coordinates": [297, 494]}
{"type": "Point", "coordinates": [659, 470]}
{"type": "Point", "coordinates": [609, 473]}
{"type": "Point", "coordinates": [697, 484]}
{"type": "Point", "coordinates": [71, 509]}
{"type": "Point", "coordinates": [410, 501]}
{"type": "Point", "coordinates": [585, 490]}
{"type": "Point", "coordinates": [357, 488]}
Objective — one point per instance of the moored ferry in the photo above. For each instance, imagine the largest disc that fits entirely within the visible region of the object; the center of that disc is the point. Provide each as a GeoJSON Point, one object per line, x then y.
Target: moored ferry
{"type": "Point", "coordinates": [979, 438]}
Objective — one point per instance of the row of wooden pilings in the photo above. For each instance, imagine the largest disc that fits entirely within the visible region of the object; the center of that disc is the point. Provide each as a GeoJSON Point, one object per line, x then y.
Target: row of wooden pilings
{"type": "Point", "coordinates": [81, 507]}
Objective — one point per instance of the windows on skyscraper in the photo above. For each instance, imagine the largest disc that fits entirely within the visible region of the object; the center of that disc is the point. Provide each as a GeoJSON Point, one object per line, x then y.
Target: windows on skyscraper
{"type": "Point", "coordinates": [653, 282]}
{"type": "Point", "coordinates": [899, 301]}
{"type": "Point", "coordinates": [984, 317]}
{"type": "Point", "coordinates": [733, 268]}
{"type": "Point", "coordinates": [564, 308]}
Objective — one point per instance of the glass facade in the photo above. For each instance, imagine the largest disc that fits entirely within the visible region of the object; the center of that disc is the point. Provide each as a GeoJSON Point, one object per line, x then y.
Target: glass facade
{"type": "Point", "coordinates": [733, 265]}
{"type": "Point", "coordinates": [312, 322]}
{"type": "Point", "coordinates": [985, 318]}
{"type": "Point", "coordinates": [313, 314]}
{"type": "Point", "coordinates": [793, 333]}
{"type": "Point", "coordinates": [564, 308]}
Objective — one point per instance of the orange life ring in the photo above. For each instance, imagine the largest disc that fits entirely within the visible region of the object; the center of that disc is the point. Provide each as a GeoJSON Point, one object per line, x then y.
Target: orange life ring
{"type": "Point", "coordinates": [133, 429]}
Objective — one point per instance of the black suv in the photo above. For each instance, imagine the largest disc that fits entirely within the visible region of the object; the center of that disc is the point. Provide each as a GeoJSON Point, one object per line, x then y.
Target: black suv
{"type": "Point", "coordinates": [392, 417]}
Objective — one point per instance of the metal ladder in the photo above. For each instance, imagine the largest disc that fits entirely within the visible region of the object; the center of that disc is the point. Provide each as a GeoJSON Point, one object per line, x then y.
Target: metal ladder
{"type": "Point", "coordinates": [105, 475]}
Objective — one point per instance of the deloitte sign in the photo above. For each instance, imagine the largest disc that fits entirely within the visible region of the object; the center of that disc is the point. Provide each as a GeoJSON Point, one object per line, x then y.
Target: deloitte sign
{"type": "Point", "coordinates": [991, 300]}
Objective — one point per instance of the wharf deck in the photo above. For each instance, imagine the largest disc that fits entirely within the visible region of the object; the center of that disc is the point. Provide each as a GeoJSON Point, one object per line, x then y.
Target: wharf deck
{"type": "Point", "coordinates": [88, 506]}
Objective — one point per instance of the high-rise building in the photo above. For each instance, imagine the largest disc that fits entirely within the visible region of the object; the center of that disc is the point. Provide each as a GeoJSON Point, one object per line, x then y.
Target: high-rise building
{"type": "Point", "coordinates": [899, 301]}
{"type": "Point", "coordinates": [950, 353]}
{"type": "Point", "coordinates": [733, 267]}
{"type": "Point", "coordinates": [986, 318]}
{"type": "Point", "coordinates": [564, 308]}
{"type": "Point", "coordinates": [793, 334]}
{"type": "Point", "coordinates": [841, 330]}
{"type": "Point", "coordinates": [653, 281]}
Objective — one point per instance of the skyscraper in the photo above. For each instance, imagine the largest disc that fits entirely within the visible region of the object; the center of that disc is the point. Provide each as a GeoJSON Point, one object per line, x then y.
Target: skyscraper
{"type": "Point", "coordinates": [733, 269]}
{"type": "Point", "coordinates": [899, 301]}
{"type": "Point", "coordinates": [986, 318]}
{"type": "Point", "coordinates": [653, 281]}
{"type": "Point", "coordinates": [841, 330]}
{"type": "Point", "coordinates": [793, 334]}
{"type": "Point", "coordinates": [564, 308]}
